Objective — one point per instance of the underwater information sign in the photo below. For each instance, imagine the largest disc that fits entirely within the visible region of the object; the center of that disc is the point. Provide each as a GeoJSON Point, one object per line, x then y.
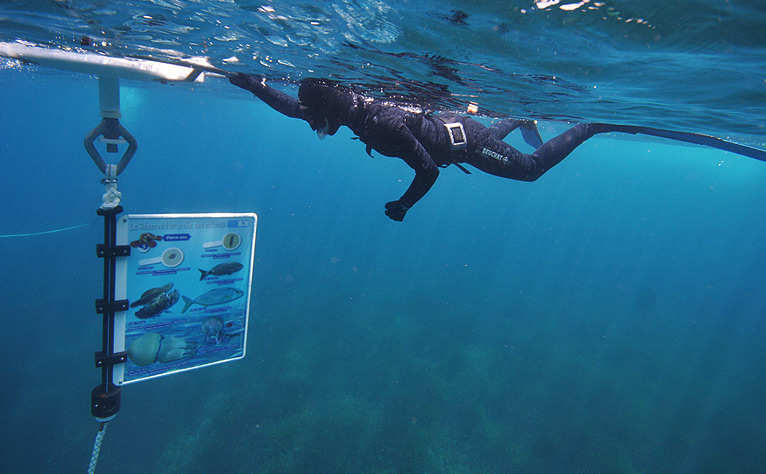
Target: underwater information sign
{"type": "Point", "coordinates": [188, 282]}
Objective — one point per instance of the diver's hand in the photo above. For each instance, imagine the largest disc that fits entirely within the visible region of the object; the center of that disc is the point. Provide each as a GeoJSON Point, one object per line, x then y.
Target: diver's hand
{"type": "Point", "coordinates": [247, 81]}
{"type": "Point", "coordinates": [396, 210]}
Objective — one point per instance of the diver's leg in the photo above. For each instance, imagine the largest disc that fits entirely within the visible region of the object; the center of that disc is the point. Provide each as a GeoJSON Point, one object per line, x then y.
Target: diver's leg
{"type": "Point", "coordinates": [500, 159]}
{"type": "Point", "coordinates": [502, 128]}
{"type": "Point", "coordinates": [528, 129]}
{"type": "Point", "coordinates": [556, 149]}
{"type": "Point", "coordinates": [492, 155]}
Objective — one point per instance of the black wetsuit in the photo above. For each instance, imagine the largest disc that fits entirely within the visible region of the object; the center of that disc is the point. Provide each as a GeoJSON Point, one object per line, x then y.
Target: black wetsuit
{"type": "Point", "coordinates": [423, 140]}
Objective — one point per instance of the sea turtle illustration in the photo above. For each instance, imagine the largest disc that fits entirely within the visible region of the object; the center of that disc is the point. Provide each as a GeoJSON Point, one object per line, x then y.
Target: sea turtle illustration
{"type": "Point", "coordinates": [150, 295]}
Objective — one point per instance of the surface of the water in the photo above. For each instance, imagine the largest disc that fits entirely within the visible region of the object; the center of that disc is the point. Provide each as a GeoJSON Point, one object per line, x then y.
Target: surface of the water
{"type": "Point", "coordinates": [694, 65]}
{"type": "Point", "coordinates": [609, 317]}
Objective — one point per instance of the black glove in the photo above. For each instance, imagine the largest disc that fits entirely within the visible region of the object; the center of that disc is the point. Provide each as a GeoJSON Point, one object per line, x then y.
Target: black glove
{"type": "Point", "coordinates": [247, 81]}
{"type": "Point", "coordinates": [396, 210]}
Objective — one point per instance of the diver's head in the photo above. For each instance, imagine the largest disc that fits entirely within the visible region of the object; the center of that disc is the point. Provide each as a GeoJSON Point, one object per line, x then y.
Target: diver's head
{"type": "Point", "coordinates": [317, 121]}
{"type": "Point", "coordinates": [325, 105]}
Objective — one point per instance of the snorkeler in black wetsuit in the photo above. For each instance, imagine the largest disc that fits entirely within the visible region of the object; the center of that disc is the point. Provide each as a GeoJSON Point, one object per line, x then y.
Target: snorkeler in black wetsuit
{"type": "Point", "coordinates": [424, 141]}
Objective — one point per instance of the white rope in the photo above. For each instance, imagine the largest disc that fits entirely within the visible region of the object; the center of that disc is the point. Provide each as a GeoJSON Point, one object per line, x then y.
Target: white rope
{"type": "Point", "coordinates": [111, 197]}
{"type": "Point", "coordinates": [6, 236]}
{"type": "Point", "coordinates": [96, 449]}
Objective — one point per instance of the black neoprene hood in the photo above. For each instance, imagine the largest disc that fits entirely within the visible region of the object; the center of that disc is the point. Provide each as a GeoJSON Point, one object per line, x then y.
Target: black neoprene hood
{"type": "Point", "coordinates": [324, 99]}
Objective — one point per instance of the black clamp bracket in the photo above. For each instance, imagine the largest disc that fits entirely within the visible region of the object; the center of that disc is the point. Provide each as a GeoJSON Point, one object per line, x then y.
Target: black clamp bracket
{"type": "Point", "coordinates": [112, 359]}
{"type": "Point", "coordinates": [102, 250]}
{"type": "Point", "coordinates": [102, 306]}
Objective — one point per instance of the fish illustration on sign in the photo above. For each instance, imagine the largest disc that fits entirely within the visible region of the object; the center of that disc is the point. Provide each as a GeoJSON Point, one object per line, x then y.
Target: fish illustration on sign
{"type": "Point", "coordinates": [160, 303]}
{"type": "Point", "coordinates": [221, 269]}
{"type": "Point", "coordinates": [213, 297]}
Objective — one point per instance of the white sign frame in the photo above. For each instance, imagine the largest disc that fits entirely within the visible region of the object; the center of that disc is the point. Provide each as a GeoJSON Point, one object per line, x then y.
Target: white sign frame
{"type": "Point", "coordinates": [188, 279]}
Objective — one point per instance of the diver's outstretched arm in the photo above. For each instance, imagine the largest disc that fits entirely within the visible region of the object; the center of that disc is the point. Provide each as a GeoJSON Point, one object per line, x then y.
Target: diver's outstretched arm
{"type": "Point", "coordinates": [279, 101]}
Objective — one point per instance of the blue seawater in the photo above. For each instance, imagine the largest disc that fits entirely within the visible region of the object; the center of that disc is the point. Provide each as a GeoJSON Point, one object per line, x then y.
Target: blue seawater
{"type": "Point", "coordinates": [609, 317]}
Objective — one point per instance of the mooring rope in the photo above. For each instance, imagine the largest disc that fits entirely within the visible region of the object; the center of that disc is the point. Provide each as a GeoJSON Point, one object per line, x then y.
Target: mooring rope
{"type": "Point", "coordinates": [96, 449]}
{"type": "Point", "coordinates": [7, 236]}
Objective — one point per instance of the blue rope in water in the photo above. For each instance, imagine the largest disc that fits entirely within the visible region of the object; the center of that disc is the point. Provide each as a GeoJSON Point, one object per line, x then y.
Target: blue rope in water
{"type": "Point", "coordinates": [7, 236]}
